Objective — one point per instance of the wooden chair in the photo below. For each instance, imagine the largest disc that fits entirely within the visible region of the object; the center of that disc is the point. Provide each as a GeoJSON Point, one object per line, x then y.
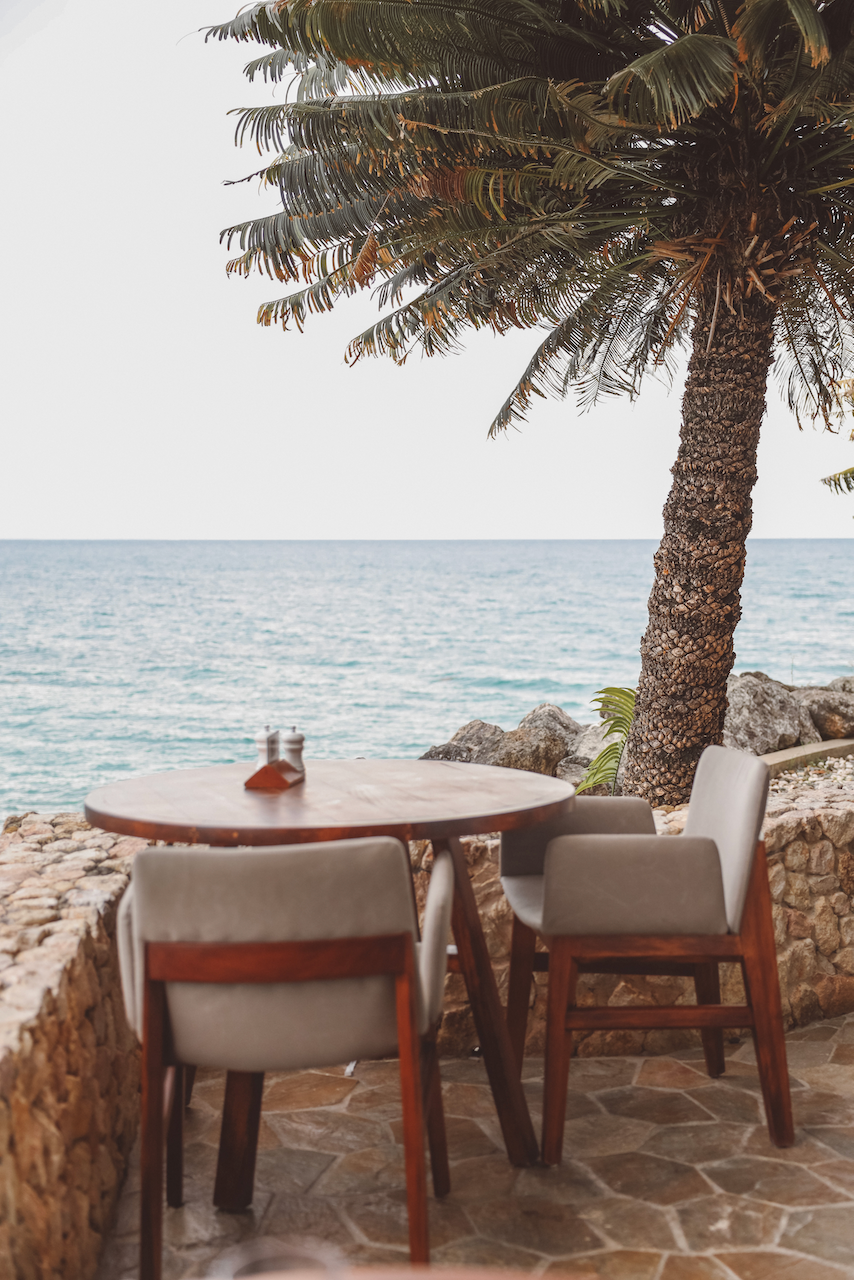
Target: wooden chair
{"type": "Point", "coordinates": [276, 959]}
{"type": "Point", "coordinates": [627, 901]}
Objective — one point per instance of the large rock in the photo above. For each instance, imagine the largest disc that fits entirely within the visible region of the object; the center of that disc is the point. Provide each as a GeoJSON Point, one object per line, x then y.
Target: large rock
{"type": "Point", "coordinates": [845, 684]}
{"type": "Point", "coordinates": [763, 715]}
{"type": "Point", "coordinates": [545, 736]}
{"type": "Point", "coordinates": [589, 743]}
{"type": "Point", "coordinates": [568, 771]}
{"type": "Point", "coordinates": [831, 709]}
{"type": "Point", "coordinates": [472, 743]}
{"type": "Point", "coordinates": [760, 675]}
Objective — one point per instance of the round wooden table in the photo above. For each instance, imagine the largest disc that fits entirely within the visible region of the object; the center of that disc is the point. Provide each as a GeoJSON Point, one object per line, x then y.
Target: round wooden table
{"type": "Point", "coordinates": [438, 800]}
{"type": "Point", "coordinates": [410, 799]}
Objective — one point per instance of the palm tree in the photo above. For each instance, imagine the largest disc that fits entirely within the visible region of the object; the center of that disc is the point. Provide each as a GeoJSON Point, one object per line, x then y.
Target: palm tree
{"type": "Point", "coordinates": [630, 174]}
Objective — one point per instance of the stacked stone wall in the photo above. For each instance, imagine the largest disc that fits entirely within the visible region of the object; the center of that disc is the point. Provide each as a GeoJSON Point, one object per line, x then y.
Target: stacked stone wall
{"type": "Point", "coordinates": [811, 873]}
{"type": "Point", "coordinates": [69, 1065]}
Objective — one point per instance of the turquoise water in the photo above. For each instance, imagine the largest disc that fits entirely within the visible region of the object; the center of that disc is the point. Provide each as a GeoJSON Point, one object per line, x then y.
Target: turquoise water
{"type": "Point", "coordinates": [121, 658]}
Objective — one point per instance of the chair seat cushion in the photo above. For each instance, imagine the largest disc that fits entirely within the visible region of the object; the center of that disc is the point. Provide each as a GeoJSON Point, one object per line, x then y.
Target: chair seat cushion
{"type": "Point", "coordinates": [632, 884]}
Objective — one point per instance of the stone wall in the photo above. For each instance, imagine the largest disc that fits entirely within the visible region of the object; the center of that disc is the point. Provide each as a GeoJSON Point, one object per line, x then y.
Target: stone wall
{"type": "Point", "coordinates": [69, 1065]}
{"type": "Point", "coordinates": [811, 869]}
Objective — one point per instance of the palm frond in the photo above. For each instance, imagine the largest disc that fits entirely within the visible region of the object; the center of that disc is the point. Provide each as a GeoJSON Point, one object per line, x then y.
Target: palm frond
{"type": "Point", "coordinates": [602, 772]}
{"type": "Point", "coordinates": [842, 482]}
{"type": "Point", "coordinates": [675, 83]}
{"type": "Point", "coordinates": [455, 43]}
{"type": "Point", "coordinates": [616, 708]}
{"type": "Point", "coordinates": [761, 21]}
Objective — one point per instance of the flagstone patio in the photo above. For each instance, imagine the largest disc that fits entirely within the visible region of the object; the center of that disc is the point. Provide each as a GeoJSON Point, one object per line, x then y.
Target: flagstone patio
{"type": "Point", "coordinates": [667, 1175]}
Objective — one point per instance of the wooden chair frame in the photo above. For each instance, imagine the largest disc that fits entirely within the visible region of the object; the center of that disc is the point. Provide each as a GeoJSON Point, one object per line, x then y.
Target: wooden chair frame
{"type": "Point", "coordinates": [697, 957]}
{"type": "Point", "coordinates": [166, 1083]}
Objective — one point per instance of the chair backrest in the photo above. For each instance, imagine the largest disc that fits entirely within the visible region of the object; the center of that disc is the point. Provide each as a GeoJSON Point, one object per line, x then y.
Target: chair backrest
{"type": "Point", "coordinates": [349, 888]}
{"type": "Point", "coordinates": [523, 853]}
{"type": "Point", "coordinates": [727, 805]}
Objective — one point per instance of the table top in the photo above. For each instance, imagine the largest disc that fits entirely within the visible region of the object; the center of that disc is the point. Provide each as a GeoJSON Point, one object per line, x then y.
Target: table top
{"type": "Point", "coordinates": [410, 799]}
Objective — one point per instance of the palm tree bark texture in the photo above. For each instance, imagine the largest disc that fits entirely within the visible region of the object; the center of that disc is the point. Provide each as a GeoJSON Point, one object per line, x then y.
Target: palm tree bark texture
{"type": "Point", "coordinates": [687, 650]}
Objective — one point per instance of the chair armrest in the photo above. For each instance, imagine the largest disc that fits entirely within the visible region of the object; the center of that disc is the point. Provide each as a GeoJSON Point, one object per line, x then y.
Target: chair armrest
{"type": "Point", "coordinates": [633, 884]}
{"type": "Point", "coordinates": [433, 952]}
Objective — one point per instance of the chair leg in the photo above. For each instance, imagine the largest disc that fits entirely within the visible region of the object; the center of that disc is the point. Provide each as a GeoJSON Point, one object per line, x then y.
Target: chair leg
{"type": "Point", "coordinates": [238, 1142]}
{"type": "Point", "coordinates": [707, 984]}
{"type": "Point", "coordinates": [563, 977]}
{"type": "Point", "coordinates": [189, 1081]}
{"type": "Point", "coordinates": [413, 1116]}
{"type": "Point", "coordinates": [175, 1141]}
{"type": "Point", "coordinates": [523, 944]}
{"type": "Point", "coordinates": [434, 1114]}
{"type": "Point", "coordinates": [762, 984]}
{"type": "Point", "coordinates": [151, 1143]}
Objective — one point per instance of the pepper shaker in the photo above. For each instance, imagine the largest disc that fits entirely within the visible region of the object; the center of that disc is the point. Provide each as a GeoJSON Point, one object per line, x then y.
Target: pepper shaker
{"type": "Point", "coordinates": [292, 744]}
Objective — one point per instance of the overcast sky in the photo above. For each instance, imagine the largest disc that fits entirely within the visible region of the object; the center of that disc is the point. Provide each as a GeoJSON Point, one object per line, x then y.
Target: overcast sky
{"type": "Point", "coordinates": [140, 400]}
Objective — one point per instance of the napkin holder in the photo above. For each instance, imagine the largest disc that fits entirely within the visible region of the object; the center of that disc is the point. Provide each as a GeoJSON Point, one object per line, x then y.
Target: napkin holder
{"type": "Point", "coordinates": [276, 775]}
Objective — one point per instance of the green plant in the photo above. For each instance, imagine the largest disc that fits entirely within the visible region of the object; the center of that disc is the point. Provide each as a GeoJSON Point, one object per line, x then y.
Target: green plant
{"type": "Point", "coordinates": [616, 708]}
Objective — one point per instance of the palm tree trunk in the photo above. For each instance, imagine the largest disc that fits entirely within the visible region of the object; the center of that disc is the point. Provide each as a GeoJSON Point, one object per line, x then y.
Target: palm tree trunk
{"type": "Point", "coordinates": [687, 651]}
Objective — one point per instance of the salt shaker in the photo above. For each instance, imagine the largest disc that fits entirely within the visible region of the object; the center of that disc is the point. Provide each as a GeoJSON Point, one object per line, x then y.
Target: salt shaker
{"type": "Point", "coordinates": [292, 744]}
{"type": "Point", "coordinates": [267, 744]}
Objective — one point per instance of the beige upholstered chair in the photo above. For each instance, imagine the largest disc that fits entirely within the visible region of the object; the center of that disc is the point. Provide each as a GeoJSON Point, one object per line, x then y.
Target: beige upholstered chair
{"type": "Point", "coordinates": [281, 958]}
{"type": "Point", "coordinates": [609, 896]}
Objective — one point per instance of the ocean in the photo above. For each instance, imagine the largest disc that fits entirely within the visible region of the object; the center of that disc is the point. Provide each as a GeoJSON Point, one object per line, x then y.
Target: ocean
{"type": "Point", "coordinates": [125, 658]}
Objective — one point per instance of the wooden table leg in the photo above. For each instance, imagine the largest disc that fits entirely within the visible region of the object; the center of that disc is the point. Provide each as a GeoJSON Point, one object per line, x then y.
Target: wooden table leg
{"type": "Point", "coordinates": [238, 1143]}
{"type": "Point", "coordinates": [488, 1013]}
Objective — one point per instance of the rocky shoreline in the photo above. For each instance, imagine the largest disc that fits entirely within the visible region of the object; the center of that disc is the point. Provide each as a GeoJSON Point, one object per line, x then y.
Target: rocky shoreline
{"type": "Point", "coordinates": [763, 716]}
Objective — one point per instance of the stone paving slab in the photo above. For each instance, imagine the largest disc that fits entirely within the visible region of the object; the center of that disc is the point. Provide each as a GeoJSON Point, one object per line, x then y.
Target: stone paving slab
{"type": "Point", "coordinates": [666, 1174]}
